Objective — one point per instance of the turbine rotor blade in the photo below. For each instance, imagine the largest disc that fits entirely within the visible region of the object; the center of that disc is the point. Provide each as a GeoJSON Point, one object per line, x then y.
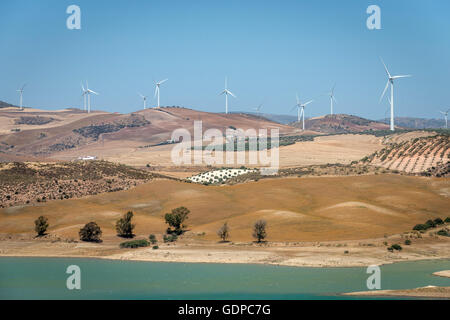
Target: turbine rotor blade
{"type": "Point", "coordinates": [384, 91]}
{"type": "Point", "coordinates": [385, 68]}
{"type": "Point", "coordinates": [402, 76]}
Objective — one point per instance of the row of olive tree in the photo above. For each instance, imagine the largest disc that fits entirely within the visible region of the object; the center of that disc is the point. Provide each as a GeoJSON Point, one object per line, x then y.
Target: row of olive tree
{"type": "Point", "coordinates": [92, 232]}
{"type": "Point", "coordinates": [124, 227]}
{"type": "Point", "coordinates": [259, 231]}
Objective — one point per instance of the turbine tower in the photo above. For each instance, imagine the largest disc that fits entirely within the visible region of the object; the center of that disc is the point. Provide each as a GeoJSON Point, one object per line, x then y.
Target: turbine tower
{"type": "Point", "coordinates": [301, 110]}
{"type": "Point", "coordinates": [158, 84]}
{"type": "Point", "coordinates": [21, 90]}
{"type": "Point", "coordinates": [391, 100]}
{"type": "Point", "coordinates": [144, 98]}
{"type": "Point", "coordinates": [88, 93]}
{"type": "Point", "coordinates": [445, 114]}
{"type": "Point", "coordinates": [332, 99]}
{"type": "Point", "coordinates": [227, 92]}
{"type": "Point", "coordinates": [84, 95]}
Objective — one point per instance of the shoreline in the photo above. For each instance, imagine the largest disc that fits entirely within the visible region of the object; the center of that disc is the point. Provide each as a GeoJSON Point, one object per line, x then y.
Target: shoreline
{"type": "Point", "coordinates": [295, 256]}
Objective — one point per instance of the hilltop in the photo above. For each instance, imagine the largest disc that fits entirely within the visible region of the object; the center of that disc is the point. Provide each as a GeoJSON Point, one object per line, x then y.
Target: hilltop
{"type": "Point", "coordinates": [341, 123]}
{"type": "Point", "coordinates": [24, 183]}
{"type": "Point", "coordinates": [7, 105]}
{"type": "Point", "coordinates": [417, 123]}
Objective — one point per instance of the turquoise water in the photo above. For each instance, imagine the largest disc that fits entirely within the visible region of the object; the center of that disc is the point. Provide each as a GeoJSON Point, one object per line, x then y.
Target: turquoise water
{"type": "Point", "coordinates": [45, 278]}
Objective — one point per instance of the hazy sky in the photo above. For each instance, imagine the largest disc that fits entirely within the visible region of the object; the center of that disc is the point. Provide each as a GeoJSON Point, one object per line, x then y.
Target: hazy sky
{"type": "Point", "coordinates": [268, 49]}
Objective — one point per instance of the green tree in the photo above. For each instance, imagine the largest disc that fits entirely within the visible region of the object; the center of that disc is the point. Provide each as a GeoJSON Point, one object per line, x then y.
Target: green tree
{"type": "Point", "coordinates": [176, 218]}
{"type": "Point", "coordinates": [124, 227]}
{"type": "Point", "coordinates": [91, 232]}
{"type": "Point", "coordinates": [152, 239]}
{"type": "Point", "coordinates": [41, 225]}
{"type": "Point", "coordinates": [224, 232]}
{"type": "Point", "coordinates": [259, 230]}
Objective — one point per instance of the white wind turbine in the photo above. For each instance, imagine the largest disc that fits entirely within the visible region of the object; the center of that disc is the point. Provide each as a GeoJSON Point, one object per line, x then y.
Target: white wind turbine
{"type": "Point", "coordinates": [227, 92]}
{"type": "Point", "coordinates": [258, 109]}
{"type": "Point", "coordinates": [391, 100]}
{"type": "Point", "coordinates": [21, 90]}
{"type": "Point", "coordinates": [84, 95]}
{"type": "Point", "coordinates": [332, 99]}
{"type": "Point", "coordinates": [445, 114]}
{"type": "Point", "coordinates": [157, 89]}
{"type": "Point", "coordinates": [301, 110]}
{"type": "Point", "coordinates": [144, 98]}
{"type": "Point", "coordinates": [87, 92]}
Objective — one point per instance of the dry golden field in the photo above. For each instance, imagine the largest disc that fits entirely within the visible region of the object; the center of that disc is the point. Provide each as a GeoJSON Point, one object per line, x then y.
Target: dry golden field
{"type": "Point", "coordinates": [296, 209]}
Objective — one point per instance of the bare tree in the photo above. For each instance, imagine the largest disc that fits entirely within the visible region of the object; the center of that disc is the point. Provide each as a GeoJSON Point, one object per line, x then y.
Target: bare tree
{"type": "Point", "coordinates": [259, 230]}
{"type": "Point", "coordinates": [224, 232]}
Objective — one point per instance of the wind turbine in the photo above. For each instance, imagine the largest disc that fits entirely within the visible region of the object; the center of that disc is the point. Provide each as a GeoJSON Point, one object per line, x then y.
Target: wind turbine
{"type": "Point", "coordinates": [227, 92]}
{"type": "Point", "coordinates": [88, 93]}
{"type": "Point", "coordinates": [332, 99]}
{"type": "Point", "coordinates": [258, 109]}
{"type": "Point", "coordinates": [445, 114]}
{"type": "Point", "coordinates": [144, 98]}
{"type": "Point", "coordinates": [301, 110]}
{"type": "Point", "coordinates": [21, 90]}
{"type": "Point", "coordinates": [391, 100]}
{"type": "Point", "coordinates": [84, 94]}
{"type": "Point", "coordinates": [158, 84]}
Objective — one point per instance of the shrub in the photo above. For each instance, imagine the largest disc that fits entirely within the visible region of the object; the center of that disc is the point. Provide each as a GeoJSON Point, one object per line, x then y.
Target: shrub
{"type": "Point", "coordinates": [155, 247]}
{"type": "Point", "coordinates": [152, 239]}
{"type": "Point", "coordinates": [41, 225]}
{"type": "Point", "coordinates": [438, 221]}
{"type": "Point", "coordinates": [124, 227]}
{"type": "Point", "coordinates": [259, 230]}
{"type": "Point", "coordinates": [135, 244]}
{"type": "Point", "coordinates": [396, 247]}
{"type": "Point", "coordinates": [420, 227]}
{"type": "Point", "coordinates": [447, 220]}
{"type": "Point", "coordinates": [170, 238]}
{"type": "Point", "coordinates": [224, 232]}
{"type": "Point", "coordinates": [408, 242]}
{"type": "Point", "coordinates": [430, 224]}
{"type": "Point", "coordinates": [444, 233]}
{"type": "Point", "coordinates": [91, 232]}
{"type": "Point", "coordinates": [176, 218]}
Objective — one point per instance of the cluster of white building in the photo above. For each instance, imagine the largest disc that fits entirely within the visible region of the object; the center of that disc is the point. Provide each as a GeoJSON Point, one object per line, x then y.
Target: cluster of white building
{"type": "Point", "coordinates": [218, 176]}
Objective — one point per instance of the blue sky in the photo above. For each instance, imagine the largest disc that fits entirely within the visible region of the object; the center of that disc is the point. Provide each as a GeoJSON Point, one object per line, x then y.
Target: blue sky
{"type": "Point", "coordinates": [268, 49]}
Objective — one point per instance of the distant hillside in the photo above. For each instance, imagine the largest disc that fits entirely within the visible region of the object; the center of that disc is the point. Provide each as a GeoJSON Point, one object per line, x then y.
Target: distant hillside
{"type": "Point", "coordinates": [23, 183]}
{"type": "Point", "coordinates": [417, 123]}
{"type": "Point", "coordinates": [419, 155]}
{"type": "Point", "coordinates": [29, 133]}
{"type": "Point", "coordinates": [280, 118]}
{"type": "Point", "coordinates": [7, 105]}
{"type": "Point", "coordinates": [341, 123]}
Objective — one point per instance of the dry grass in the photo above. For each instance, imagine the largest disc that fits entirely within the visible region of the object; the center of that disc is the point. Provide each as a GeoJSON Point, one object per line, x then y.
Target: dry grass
{"type": "Point", "coordinates": [296, 209]}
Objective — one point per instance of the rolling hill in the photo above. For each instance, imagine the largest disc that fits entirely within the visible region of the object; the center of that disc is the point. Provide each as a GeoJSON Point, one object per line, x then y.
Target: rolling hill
{"type": "Point", "coordinates": [7, 105]}
{"type": "Point", "coordinates": [417, 155]}
{"type": "Point", "coordinates": [36, 133]}
{"type": "Point", "coordinates": [341, 123]}
{"type": "Point", "coordinates": [417, 123]}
